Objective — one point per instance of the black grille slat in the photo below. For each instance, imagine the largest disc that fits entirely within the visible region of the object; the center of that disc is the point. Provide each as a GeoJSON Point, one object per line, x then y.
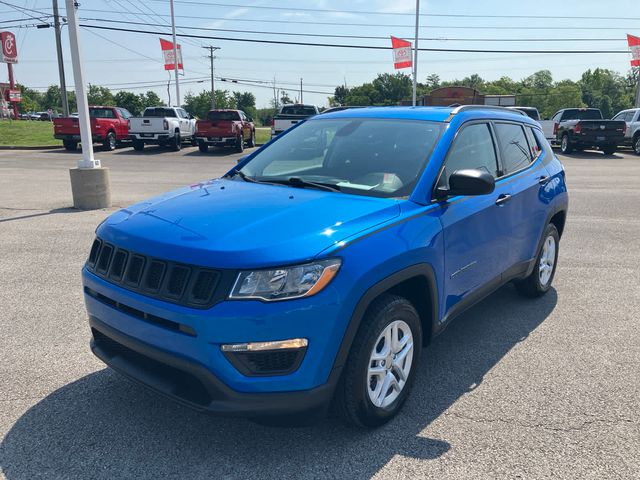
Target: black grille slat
{"type": "Point", "coordinates": [173, 282]}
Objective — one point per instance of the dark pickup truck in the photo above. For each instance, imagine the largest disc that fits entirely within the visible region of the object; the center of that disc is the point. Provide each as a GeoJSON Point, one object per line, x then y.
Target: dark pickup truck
{"type": "Point", "coordinates": [582, 128]}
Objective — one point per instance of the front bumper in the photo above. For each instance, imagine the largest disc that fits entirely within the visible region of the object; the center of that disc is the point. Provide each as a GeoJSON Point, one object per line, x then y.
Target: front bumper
{"type": "Point", "coordinates": [192, 384]}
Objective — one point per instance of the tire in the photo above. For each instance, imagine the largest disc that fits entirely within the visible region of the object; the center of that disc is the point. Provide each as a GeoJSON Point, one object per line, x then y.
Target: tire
{"type": "Point", "coordinates": [353, 401]}
{"type": "Point", "coordinates": [609, 149]}
{"type": "Point", "coordinates": [636, 144]}
{"type": "Point", "coordinates": [539, 282]}
{"type": "Point", "coordinates": [252, 140]}
{"type": "Point", "coordinates": [138, 146]}
{"type": "Point", "coordinates": [239, 144]}
{"type": "Point", "coordinates": [203, 147]}
{"type": "Point", "coordinates": [565, 145]}
{"type": "Point", "coordinates": [70, 145]}
{"type": "Point", "coordinates": [194, 141]}
{"type": "Point", "coordinates": [109, 143]}
{"type": "Point", "coordinates": [176, 145]}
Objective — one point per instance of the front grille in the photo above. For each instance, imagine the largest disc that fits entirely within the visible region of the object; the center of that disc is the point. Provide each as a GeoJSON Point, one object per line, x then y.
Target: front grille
{"type": "Point", "coordinates": [273, 362]}
{"type": "Point", "coordinates": [169, 281]}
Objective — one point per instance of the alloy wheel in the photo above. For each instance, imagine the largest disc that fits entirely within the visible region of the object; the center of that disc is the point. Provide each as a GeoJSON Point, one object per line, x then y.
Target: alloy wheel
{"type": "Point", "coordinates": [547, 260]}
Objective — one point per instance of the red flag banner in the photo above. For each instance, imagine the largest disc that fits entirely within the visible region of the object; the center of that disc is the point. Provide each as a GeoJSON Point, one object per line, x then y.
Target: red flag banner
{"type": "Point", "coordinates": [167, 53]}
{"type": "Point", "coordinates": [634, 46]}
{"type": "Point", "coordinates": [401, 53]}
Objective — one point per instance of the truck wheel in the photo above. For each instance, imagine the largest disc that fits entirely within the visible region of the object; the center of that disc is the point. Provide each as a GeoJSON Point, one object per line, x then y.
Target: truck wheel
{"type": "Point", "coordinates": [194, 141]}
{"type": "Point", "coordinates": [138, 146]}
{"type": "Point", "coordinates": [203, 147]}
{"type": "Point", "coordinates": [565, 145]}
{"type": "Point", "coordinates": [252, 140]}
{"type": "Point", "coordinates": [177, 143]}
{"type": "Point", "coordinates": [539, 282]}
{"type": "Point", "coordinates": [636, 144]}
{"type": "Point", "coordinates": [380, 370]}
{"type": "Point", "coordinates": [109, 143]}
{"type": "Point", "coordinates": [609, 149]}
{"type": "Point", "coordinates": [239, 144]}
{"type": "Point", "coordinates": [70, 145]}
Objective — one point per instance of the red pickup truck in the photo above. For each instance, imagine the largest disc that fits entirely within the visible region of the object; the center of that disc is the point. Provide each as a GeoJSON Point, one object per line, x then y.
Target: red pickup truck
{"type": "Point", "coordinates": [109, 126]}
{"type": "Point", "coordinates": [225, 128]}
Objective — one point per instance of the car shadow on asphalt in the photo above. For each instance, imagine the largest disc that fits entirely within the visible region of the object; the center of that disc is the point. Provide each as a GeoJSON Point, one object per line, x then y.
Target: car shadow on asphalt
{"type": "Point", "coordinates": [219, 152]}
{"type": "Point", "coordinates": [103, 426]}
{"type": "Point", "coordinates": [592, 154]}
{"type": "Point", "coordinates": [149, 150]}
{"type": "Point", "coordinates": [55, 211]}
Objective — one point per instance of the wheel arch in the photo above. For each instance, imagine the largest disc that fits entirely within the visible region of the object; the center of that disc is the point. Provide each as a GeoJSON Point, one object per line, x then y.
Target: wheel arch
{"type": "Point", "coordinates": [417, 284]}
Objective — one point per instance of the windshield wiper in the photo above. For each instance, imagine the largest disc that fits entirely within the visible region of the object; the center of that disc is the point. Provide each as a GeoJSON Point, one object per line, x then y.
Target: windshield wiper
{"type": "Point", "coordinates": [299, 182]}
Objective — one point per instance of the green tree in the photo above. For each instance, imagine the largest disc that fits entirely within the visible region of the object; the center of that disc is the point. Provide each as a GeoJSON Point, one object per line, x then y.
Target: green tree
{"type": "Point", "coordinates": [392, 88]}
{"type": "Point", "coordinates": [150, 99]}
{"type": "Point", "coordinates": [245, 101]}
{"type": "Point", "coordinates": [97, 95]}
{"type": "Point", "coordinates": [199, 104]}
{"type": "Point", "coordinates": [130, 101]}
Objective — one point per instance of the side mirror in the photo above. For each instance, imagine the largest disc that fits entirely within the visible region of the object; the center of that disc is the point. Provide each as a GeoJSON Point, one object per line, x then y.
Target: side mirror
{"type": "Point", "coordinates": [468, 182]}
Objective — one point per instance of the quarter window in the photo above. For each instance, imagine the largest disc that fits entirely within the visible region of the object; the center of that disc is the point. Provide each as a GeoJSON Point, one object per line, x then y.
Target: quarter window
{"type": "Point", "coordinates": [534, 147]}
{"type": "Point", "coordinates": [473, 149]}
{"type": "Point", "coordinates": [514, 147]}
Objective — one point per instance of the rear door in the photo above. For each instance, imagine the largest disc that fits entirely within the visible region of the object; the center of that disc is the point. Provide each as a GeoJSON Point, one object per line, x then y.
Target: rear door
{"type": "Point", "coordinates": [523, 177]}
{"type": "Point", "coordinates": [475, 228]}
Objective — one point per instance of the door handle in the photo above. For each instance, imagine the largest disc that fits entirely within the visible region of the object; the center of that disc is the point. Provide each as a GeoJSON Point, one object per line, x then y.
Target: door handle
{"type": "Point", "coordinates": [502, 199]}
{"type": "Point", "coordinates": [544, 180]}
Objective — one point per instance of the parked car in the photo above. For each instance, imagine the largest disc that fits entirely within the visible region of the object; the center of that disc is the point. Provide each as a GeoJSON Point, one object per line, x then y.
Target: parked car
{"type": "Point", "coordinates": [48, 116]}
{"type": "Point", "coordinates": [319, 267]}
{"type": "Point", "coordinates": [582, 128]}
{"type": "Point", "coordinates": [165, 126]}
{"type": "Point", "coordinates": [289, 115]}
{"type": "Point", "coordinates": [632, 134]}
{"type": "Point", "coordinates": [225, 128]}
{"type": "Point", "coordinates": [109, 126]}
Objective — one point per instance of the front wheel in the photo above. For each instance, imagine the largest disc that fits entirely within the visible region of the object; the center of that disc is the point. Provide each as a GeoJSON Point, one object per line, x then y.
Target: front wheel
{"type": "Point", "coordinates": [109, 143]}
{"type": "Point", "coordinates": [380, 370]}
{"type": "Point", "coordinates": [636, 145]}
{"type": "Point", "coordinates": [239, 144]}
{"type": "Point", "coordinates": [138, 146]}
{"type": "Point", "coordinates": [203, 147]}
{"type": "Point", "coordinates": [177, 143]}
{"type": "Point", "coordinates": [565, 145]}
{"type": "Point", "coordinates": [70, 145]}
{"type": "Point", "coordinates": [539, 281]}
{"type": "Point", "coordinates": [252, 140]}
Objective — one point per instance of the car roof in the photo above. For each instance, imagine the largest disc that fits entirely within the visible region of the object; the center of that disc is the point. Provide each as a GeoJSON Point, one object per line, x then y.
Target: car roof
{"type": "Point", "coordinates": [435, 114]}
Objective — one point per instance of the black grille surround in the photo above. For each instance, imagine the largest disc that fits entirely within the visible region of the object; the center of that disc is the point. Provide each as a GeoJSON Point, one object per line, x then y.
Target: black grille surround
{"type": "Point", "coordinates": [182, 284]}
{"type": "Point", "coordinates": [267, 363]}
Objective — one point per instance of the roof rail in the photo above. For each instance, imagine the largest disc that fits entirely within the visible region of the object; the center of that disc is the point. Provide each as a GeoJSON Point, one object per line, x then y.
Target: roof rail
{"type": "Point", "coordinates": [464, 108]}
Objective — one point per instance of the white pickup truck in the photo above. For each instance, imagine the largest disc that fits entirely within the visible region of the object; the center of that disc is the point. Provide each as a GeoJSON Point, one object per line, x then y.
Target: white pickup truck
{"type": "Point", "coordinates": [632, 133]}
{"type": "Point", "coordinates": [547, 125]}
{"type": "Point", "coordinates": [162, 126]}
{"type": "Point", "coordinates": [289, 115]}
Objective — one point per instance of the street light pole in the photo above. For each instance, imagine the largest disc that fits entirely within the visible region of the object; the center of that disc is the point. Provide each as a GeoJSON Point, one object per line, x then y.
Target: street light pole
{"type": "Point", "coordinates": [89, 182]}
{"type": "Point", "coordinates": [415, 53]}
{"type": "Point", "coordinates": [175, 53]}
{"type": "Point", "coordinates": [63, 83]}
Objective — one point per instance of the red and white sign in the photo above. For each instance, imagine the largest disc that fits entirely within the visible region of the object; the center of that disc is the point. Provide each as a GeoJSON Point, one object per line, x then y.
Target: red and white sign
{"type": "Point", "coordinates": [634, 46]}
{"type": "Point", "coordinates": [14, 96]}
{"type": "Point", "coordinates": [9, 47]}
{"type": "Point", "coordinates": [401, 53]}
{"type": "Point", "coordinates": [167, 53]}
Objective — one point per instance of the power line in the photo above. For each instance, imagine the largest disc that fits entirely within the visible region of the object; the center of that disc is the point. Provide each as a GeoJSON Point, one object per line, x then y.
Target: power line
{"type": "Point", "coordinates": [366, 47]}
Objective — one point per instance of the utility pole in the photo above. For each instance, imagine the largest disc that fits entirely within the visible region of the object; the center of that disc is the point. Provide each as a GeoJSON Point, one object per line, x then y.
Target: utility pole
{"type": "Point", "coordinates": [301, 101]}
{"type": "Point", "coordinates": [638, 88]}
{"type": "Point", "coordinates": [175, 53]}
{"type": "Point", "coordinates": [213, 85]}
{"type": "Point", "coordinates": [63, 83]}
{"type": "Point", "coordinates": [415, 53]}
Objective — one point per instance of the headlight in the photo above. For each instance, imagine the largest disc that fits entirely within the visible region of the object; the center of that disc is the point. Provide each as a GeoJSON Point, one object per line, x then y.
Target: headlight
{"type": "Point", "coordinates": [285, 283]}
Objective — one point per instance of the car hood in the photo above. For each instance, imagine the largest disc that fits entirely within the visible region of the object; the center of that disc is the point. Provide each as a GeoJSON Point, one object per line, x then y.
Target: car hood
{"type": "Point", "coordinates": [232, 224]}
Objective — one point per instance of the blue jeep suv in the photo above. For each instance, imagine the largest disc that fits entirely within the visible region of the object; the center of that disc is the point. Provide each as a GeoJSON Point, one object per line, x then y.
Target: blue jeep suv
{"type": "Point", "coordinates": [316, 270]}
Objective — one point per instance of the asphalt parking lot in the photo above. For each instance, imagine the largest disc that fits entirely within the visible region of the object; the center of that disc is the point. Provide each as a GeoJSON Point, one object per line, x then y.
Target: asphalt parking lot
{"type": "Point", "coordinates": [514, 388]}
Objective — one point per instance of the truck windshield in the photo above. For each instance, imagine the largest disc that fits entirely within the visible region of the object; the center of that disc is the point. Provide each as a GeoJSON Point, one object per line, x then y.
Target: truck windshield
{"type": "Point", "coordinates": [365, 156]}
{"type": "Point", "coordinates": [160, 112]}
{"type": "Point", "coordinates": [591, 114]}
{"type": "Point", "coordinates": [298, 110]}
{"type": "Point", "coordinates": [101, 113]}
{"type": "Point", "coordinates": [229, 116]}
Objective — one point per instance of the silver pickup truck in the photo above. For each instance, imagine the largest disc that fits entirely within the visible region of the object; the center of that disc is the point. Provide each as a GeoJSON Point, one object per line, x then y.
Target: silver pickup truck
{"type": "Point", "coordinates": [166, 126]}
{"type": "Point", "coordinates": [632, 134]}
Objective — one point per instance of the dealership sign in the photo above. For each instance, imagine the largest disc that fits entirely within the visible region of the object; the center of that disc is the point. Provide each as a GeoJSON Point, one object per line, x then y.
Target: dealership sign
{"type": "Point", "coordinates": [14, 96]}
{"type": "Point", "coordinates": [634, 46]}
{"type": "Point", "coordinates": [9, 47]}
{"type": "Point", "coordinates": [401, 53]}
{"type": "Point", "coordinates": [167, 53]}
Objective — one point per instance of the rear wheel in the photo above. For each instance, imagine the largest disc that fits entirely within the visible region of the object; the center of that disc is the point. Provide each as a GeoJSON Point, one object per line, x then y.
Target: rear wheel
{"type": "Point", "coordinates": [380, 370]}
{"type": "Point", "coordinates": [177, 142]}
{"type": "Point", "coordinates": [109, 143]}
{"type": "Point", "coordinates": [609, 149]}
{"type": "Point", "coordinates": [539, 282]}
{"type": "Point", "coordinates": [203, 147]}
{"type": "Point", "coordinates": [239, 144]}
{"type": "Point", "coordinates": [138, 146]}
{"type": "Point", "coordinates": [565, 145]}
{"type": "Point", "coordinates": [70, 145]}
{"type": "Point", "coordinates": [636, 144]}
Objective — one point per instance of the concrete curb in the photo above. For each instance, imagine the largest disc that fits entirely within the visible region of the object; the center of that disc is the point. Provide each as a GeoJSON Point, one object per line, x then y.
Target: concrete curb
{"type": "Point", "coordinates": [31, 147]}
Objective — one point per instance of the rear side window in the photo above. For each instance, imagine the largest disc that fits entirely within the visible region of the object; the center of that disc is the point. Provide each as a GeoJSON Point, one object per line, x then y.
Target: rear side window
{"type": "Point", "coordinates": [473, 148]}
{"type": "Point", "coordinates": [534, 147]}
{"type": "Point", "coordinates": [224, 116]}
{"type": "Point", "coordinates": [514, 147]}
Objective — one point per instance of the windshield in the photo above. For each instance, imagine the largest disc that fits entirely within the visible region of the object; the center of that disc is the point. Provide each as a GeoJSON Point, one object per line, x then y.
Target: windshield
{"type": "Point", "coordinates": [217, 115]}
{"type": "Point", "coordinates": [159, 112]}
{"type": "Point", "coordinates": [364, 156]}
{"type": "Point", "coordinates": [298, 110]}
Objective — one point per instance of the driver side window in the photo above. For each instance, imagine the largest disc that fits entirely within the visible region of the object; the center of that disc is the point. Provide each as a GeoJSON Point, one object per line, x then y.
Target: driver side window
{"type": "Point", "coordinates": [473, 148]}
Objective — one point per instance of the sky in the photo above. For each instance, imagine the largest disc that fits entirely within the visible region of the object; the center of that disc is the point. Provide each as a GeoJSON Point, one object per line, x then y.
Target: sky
{"type": "Point", "coordinates": [133, 61]}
